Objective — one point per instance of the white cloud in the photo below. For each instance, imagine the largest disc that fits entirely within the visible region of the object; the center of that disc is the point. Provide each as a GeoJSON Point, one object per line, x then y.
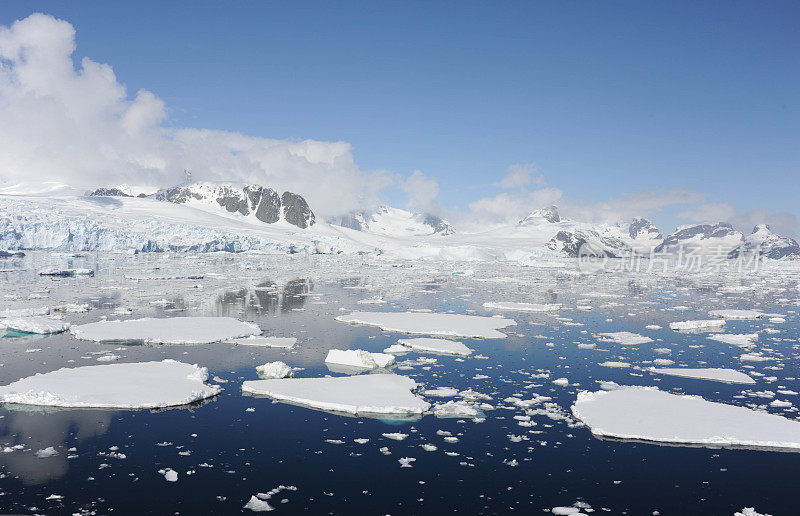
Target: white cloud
{"type": "Point", "coordinates": [80, 127]}
{"type": "Point", "coordinates": [509, 208]}
{"type": "Point", "coordinates": [645, 203]}
{"type": "Point", "coordinates": [519, 176]}
{"type": "Point", "coordinates": [422, 192]}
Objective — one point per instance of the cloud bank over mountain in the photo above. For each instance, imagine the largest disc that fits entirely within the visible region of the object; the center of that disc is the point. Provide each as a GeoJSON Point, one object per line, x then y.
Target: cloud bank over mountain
{"type": "Point", "coordinates": [75, 123]}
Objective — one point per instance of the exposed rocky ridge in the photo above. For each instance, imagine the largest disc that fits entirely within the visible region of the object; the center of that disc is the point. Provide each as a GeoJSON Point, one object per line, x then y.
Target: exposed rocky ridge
{"type": "Point", "coordinates": [763, 242]}
{"type": "Point", "coordinates": [717, 236]}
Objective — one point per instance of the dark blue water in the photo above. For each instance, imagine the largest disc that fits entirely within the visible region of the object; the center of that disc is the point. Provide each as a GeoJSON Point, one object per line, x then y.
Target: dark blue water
{"type": "Point", "coordinates": [234, 454]}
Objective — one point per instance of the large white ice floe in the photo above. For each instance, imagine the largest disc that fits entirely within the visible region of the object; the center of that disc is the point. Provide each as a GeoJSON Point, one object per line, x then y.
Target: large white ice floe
{"type": "Point", "coordinates": [736, 314]}
{"type": "Point", "coordinates": [709, 373]}
{"type": "Point", "coordinates": [693, 326]}
{"type": "Point", "coordinates": [139, 385]}
{"type": "Point", "coordinates": [439, 346]}
{"type": "Point", "coordinates": [626, 338]}
{"type": "Point", "coordinates": [648, 414]}
{"type": "Point", "coordinates": [373, 394]}
{"type": "Point", "coordinates": [172, 330]}
{"type": "Point", "coordinates": [358, 358]}
{"type": "Point", "coordinates": [522, 307]}
{"type": "Point", "coordinates": [423, 323]}
{"type": "Point", "coordinates": [35, 324]}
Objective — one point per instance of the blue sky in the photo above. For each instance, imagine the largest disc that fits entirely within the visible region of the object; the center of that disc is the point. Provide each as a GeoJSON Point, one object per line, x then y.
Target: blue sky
{"type": "Point", "coordinates": [605, 98]}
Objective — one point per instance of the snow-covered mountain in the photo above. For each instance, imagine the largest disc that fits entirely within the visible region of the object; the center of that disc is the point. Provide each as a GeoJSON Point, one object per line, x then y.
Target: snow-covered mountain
{"type": "Point", "coordinates": [763, 242]}
{"type": "Point", "coordinates": [389, 221]}
{"type": "Point", "coordinates": [718, 239]}
{"type": "Point", "coordinates": [231, 217]}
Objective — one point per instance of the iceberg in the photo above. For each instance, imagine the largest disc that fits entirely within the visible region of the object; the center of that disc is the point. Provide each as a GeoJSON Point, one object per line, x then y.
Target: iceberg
{"type": "Point", "coordinates": [138, 385]}
{"type": "Point", "coordinates": [172, 330]}
{"type": "Point", "coordinates": [274, 370]}
{"type": "Point", "coordinates": [373, 394]}
{"type": "Point", "coordinates": [648, 414]}
{"type": "Point", "coordinates": [424, 323]}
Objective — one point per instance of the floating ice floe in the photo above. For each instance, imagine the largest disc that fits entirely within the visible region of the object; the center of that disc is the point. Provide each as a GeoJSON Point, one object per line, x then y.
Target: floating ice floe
{"type": "Point", "coordinates": [66, 272]}
{"type": "Point", "coordinates": [522, 307]}
{"type": "Point", "coordinates": [274, 370]}
{"type": "Point", "coordinates": [710, 373]}
{"type": "Point", "coordinates": [648, 414]}
{"type": "Point", "coordinates": [701, 325]}
{"type": "Point", "coordinates": [358, 359]}
{"type": "Point", "coordinates": [626, 338]}
{"type": "Point", "coordinates": [429, 345]}
{"type": "Point", "coordinates": [456, 409]}
{"type": "Point", "coordinates": [35, 324]}
{"type": "Point", "coordinates": [746, 340]}
{"type": "Point", "coordinates": [140, 385]}
{"type": "Point", "coordinates": [172, 330]}
{"type": "Point", "coordinates": [265, 342]}
{"type": "Point", "coordinates": [373, 394]}
{"type": "Point", "coordinates": [452, 325]}
{"type": "Point", "coordinates": [24, 312]}
{"type": "Point", "coordinates": [736, 314]}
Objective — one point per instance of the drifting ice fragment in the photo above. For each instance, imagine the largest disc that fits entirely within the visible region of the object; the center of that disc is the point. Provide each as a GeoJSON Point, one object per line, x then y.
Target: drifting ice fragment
{"type": "Point", "coordinates": [693, 326]}
{"type": "Point", "coordinates": [439, 346]}
{"type": "Point", "coordinates": [715, 374]}
{"type": "Point", "coordinates": [35, 324]}
{"type": "Point", "coordinates": [373, 394]}
{"type": "Point", "coordinates": [454, 325]}
{"type": "Point", "coordinates": [266, 342]}
{"type": "Point", "coordinates": [736, 314]}
{"type": "Point", "coordinates": [626, 338]}
{"type": "Point", "coordinates": [274, 370]}
{"type": "Point", "coordinates": [358, 359]}
{"type": "Point", "coordinates": [523, 307]}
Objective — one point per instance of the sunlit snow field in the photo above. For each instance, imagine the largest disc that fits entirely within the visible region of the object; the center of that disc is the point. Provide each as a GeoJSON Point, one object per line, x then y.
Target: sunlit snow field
{"type": "Point", "coordinates": [513, 457]}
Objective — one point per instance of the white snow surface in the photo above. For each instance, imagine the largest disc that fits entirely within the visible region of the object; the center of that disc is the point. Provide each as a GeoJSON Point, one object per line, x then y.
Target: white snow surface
{"type": "Point", "coordinates": [452, 325]}
{"type": "Point", "coordinates": [648, 414]}
{"type": "Point", "coordinates": [138, 385]}
{"type": "Point", "coordinates": [372, 394]}
{"type": "Point", "coordinates": [626, 338]}
{"type": "Point", "coordinates": [709, 373]}
{"type": "Point", "coordinates": [439, 346]}
{"type": "Point", "coordinates": [171, 330]}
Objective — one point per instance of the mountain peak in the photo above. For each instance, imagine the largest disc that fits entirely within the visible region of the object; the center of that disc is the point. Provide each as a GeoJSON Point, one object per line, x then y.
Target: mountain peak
{"type": "Point", "coordinates": [549, 214]}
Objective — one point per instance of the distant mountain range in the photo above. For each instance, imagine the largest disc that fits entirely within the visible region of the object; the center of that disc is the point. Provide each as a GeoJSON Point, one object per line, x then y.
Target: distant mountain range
{"type": "Point", "coordinates": [208, 216]}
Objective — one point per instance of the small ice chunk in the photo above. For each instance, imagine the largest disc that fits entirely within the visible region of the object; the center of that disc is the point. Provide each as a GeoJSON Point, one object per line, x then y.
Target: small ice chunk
{"type": "Point", "coordinates": [46, 452]}
{"type": "Point", "coordinates": [405, 462]}
{"type": "Point", "coordinates": [397, 436]}
{"type": "Point", "coordinates": [170, 475]}
{"type": "Point", "coordinates": [276, 369]}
